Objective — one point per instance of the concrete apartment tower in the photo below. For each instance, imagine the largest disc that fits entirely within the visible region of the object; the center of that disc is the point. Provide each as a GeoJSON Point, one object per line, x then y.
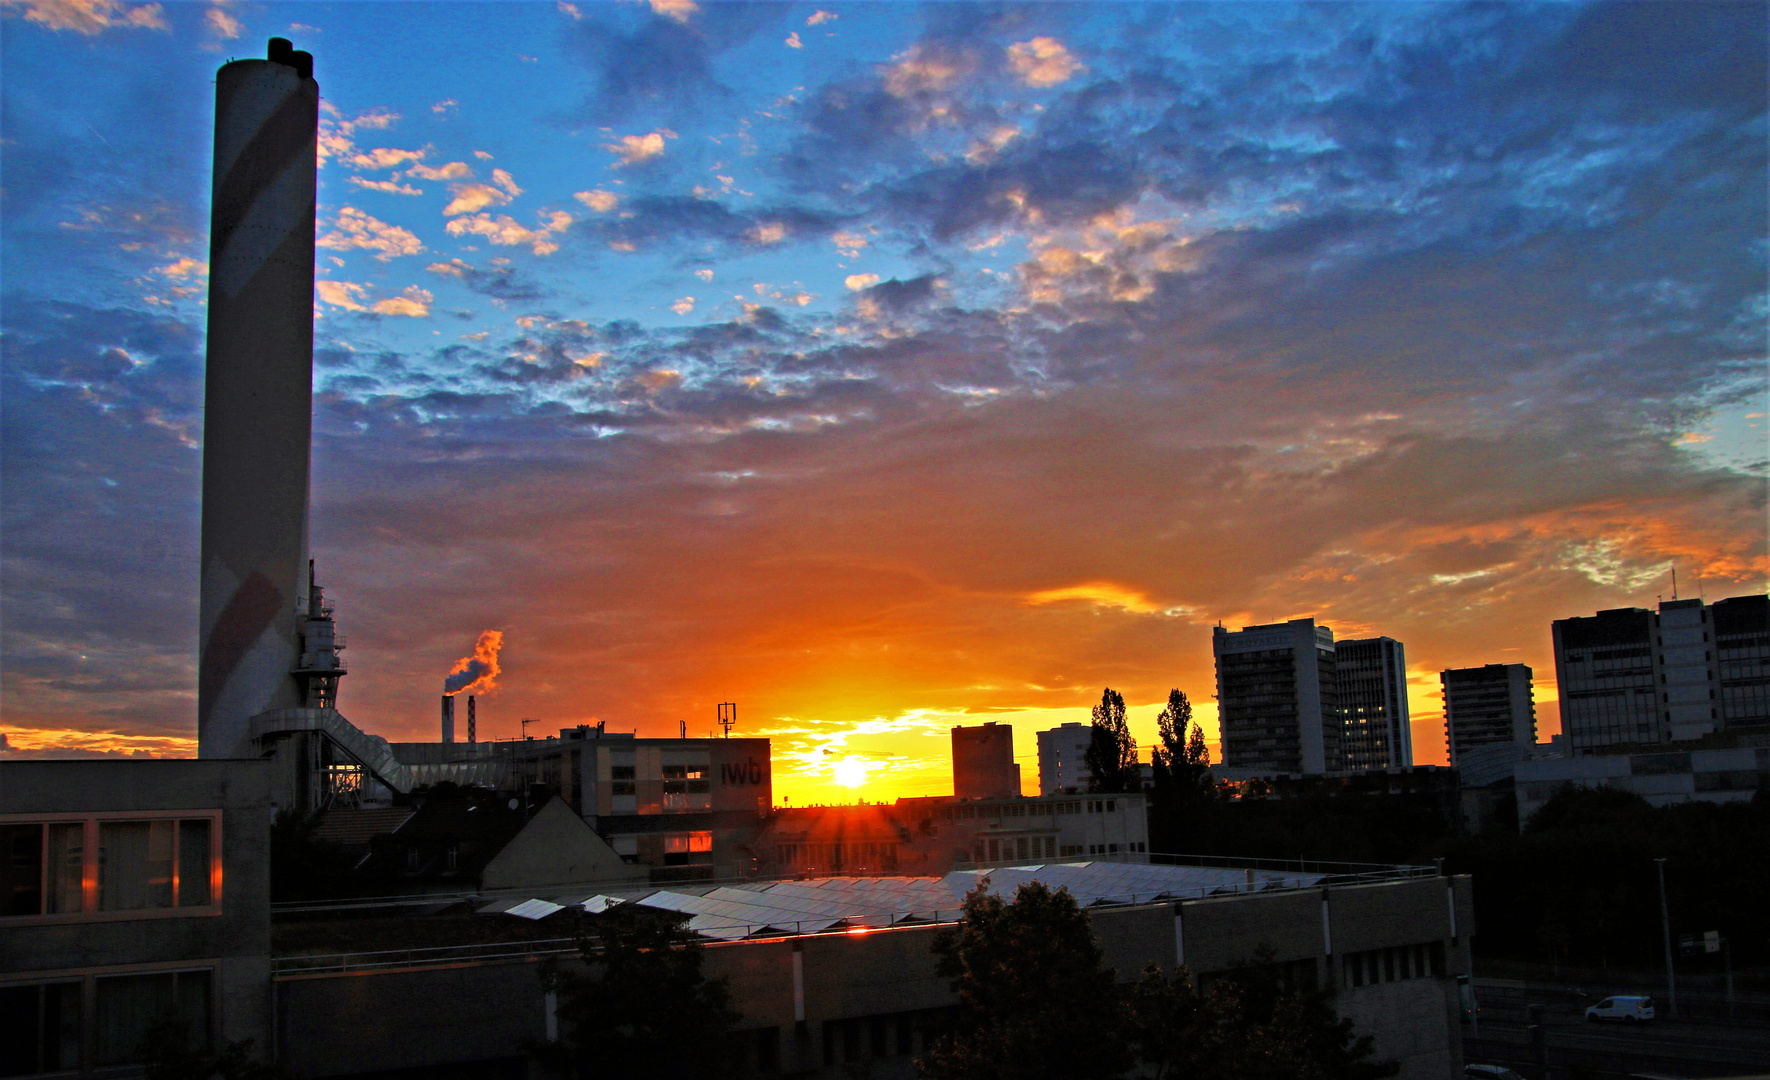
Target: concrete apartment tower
{"type": "Point", "coordinates": [258, 394]}
{"type": "Point", "coordinates": [1277, 698]}
{"type": "Point", "coordinates": [983, 762]}
{"type": "Point", "coordinates": [1487, 705]}
{"type": "Point", "coordinates": [1063, 758]}
{"type": "Point", "coordinates": [1371, 674]}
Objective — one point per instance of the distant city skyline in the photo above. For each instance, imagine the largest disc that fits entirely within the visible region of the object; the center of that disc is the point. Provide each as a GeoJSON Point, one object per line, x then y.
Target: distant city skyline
{"type": "Point", "coordinates": [890, 368]}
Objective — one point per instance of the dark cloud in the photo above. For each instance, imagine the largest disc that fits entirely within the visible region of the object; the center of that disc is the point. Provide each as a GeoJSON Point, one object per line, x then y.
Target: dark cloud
{"type": "Point", "coordinates": [644, 62]}
{"type": "Point", "coordinates": [98, 463]}
{"type": "Point", "coordinates": [653, 219]}
{"type": "Point", "coordinates": [900, 296]}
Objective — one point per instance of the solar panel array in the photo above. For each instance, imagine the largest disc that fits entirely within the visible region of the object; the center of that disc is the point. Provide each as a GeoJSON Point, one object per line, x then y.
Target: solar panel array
{"type": "Point", "coordinates": [820, 905]}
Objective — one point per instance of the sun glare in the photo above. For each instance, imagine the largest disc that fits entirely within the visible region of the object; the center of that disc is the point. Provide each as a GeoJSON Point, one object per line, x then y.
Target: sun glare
{"type": "Point", "coordinates": [851, 772]}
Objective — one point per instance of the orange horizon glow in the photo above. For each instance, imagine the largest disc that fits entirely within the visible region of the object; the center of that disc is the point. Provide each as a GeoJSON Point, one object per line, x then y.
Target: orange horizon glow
{"type": "Point", "coordinates": [877, 759]}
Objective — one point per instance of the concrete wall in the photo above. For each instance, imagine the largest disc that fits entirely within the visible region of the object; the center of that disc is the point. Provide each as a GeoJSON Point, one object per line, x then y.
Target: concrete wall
{"type": "Point", "coordinates": [1415, 1022]}
{"type": "Point", "coordinates": [364, 1022]}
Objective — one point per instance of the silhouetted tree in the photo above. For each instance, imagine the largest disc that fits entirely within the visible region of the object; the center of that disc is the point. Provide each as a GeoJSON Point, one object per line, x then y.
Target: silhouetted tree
{"type": "Point", "coordinates": [644, 1008]}
{"type": "Point", "coordinates": [1034, 999]}
{"type": "Point", "coordinates": [1248, 1026]}
{"type": "Point", "coordinates": [1170, 729]}
{"type": "Point", "coordinates": [1180, 766]}
{"type": "Point", "coordinates": [1112, 753]}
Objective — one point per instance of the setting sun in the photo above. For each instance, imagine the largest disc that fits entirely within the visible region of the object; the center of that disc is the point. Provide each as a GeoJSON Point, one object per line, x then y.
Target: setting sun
{"type": "Point", "coordinates": [851, 772]}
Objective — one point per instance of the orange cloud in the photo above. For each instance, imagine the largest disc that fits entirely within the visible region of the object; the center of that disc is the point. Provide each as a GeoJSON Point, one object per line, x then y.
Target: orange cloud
{"type": "Point", "coordinates": [91, 17]}
{"type": "Point", "coordinates": [354, 229]}
{"type": "Point", "coordinates": [1042, 62]}
{"type": "Point", "coordinates": [635, 149]}
{"type": "Point", "coordinates": [1103, 593]}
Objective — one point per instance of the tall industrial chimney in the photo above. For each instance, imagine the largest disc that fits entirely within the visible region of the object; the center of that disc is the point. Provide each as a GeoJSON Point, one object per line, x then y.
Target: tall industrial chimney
{"type": "Point", "coordinates": [258, 393]}
{"type": "Point", "coordinates": [472, 727]}
{"type": "Point", "coordinates": [448, 719]}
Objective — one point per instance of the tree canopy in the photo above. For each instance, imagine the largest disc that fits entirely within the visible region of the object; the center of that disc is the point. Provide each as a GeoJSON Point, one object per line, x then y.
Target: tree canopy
{"type": "Point", "coordinates": [1247, 1026]}
{"type": "Point", "coordinates": [1112, 753]}
{"type": "Point", "coordinates": [644, 1008]}
{"type": "Point", "coordinates": [1035, 1000]}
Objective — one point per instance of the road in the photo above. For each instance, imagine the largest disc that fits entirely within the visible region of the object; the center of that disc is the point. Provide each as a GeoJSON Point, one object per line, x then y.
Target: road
{"type": "Point", "coordinates": [1689, 1048]}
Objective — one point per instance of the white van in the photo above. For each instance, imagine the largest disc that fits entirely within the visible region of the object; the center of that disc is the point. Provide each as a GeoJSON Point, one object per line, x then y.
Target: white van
{"type": "Point", "coordinates": [1628, 1009]}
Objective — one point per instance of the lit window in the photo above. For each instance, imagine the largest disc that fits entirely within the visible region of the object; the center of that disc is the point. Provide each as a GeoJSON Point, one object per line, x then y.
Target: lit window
{"type": "Point", "coordinates": [679, 843]}
{"type": "Point", "coordinates": [136, 865]}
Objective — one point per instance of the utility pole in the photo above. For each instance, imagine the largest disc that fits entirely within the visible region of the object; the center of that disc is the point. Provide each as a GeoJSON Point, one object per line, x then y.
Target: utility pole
{"type": "Point", "coordinates": [1539, 1040]}
{"type": "Point", "coordinates": [1665, 923]}
{"type": "Point", "coordinates": [1727, 958]}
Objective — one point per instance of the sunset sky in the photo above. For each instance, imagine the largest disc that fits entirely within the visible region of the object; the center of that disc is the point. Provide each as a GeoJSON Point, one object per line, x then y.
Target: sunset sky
{"type": "Point", "coordinates": [883, 367]}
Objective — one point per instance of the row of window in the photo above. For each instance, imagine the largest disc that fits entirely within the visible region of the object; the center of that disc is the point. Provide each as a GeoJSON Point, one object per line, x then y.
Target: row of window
{"type": "Point", "coordinates": [873, 1036]}
{"type": "Point", "coordinates": [1423, 961]}
{"type": "Point", "coordinates": [856, 854]}
{"type": "Point", "coordinates": [1030, 809]}
{"type": "Point", "coordinates": [44, 1029]}
{"type": "Point", "coordinates": [1019, 847]}
{"type": "Point", "coordinates": [97, 865]}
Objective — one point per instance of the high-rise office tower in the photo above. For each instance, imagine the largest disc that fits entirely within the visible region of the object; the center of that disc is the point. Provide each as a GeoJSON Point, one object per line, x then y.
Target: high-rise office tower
{"type": "Point", "coordinates": [983, 762]}
{"type": "Point", "coordinates": [1742, 651]}
{"type": "Point", "coordinates": [1063, 754]}
{"type": "Point", "coordinates": [1486, 705]}
{"type": "Point", "coordinates": [1277, 698]}
{"type": "Point", "coordinates": [1371, 676]}
{"type": "Point", "coordinates": [1630, 675]}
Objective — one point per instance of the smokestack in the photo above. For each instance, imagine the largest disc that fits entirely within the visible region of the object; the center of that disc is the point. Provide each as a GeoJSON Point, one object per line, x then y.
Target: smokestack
{"type": "Point", "coordinates": [472, 734]}
{"type": "Point", "coordinates": [448, 719]}
{"type": "Point", "coordinates": [258, 393]}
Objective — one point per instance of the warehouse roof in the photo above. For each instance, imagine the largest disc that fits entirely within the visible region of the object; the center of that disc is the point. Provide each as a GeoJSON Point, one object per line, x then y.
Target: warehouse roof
{"type": "Point", "coordinates": [816, 905]}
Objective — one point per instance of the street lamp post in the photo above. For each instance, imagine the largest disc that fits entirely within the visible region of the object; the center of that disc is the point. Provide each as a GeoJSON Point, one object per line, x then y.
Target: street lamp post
{"type": "Point", "coordinates": [1665, 923]}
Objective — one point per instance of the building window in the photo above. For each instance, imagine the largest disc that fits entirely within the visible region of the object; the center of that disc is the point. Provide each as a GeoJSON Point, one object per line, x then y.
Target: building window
{"type": "Point", "coordinates": [107, 864]}
{"type": "Point", "coordinates": [683, 848]}
{"type": "Point", "coordinates": [42, 871]}
{"type": "Point", "coordinates": [129, 1005]}
{"type": "Point", "coordinates": [39, 1028]}
{"type": "Point", "coordinates": [768, 1050]}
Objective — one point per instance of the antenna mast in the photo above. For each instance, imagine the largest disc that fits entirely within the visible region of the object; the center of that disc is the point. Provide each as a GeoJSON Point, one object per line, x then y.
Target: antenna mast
{"type": "Point", "coordinates": [728, 716]}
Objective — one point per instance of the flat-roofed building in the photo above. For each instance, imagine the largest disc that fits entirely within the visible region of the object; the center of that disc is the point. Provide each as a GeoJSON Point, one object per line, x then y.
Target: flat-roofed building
{"type": "Point", "coordinates": [939, 834]}
{"type": "Point", "coordinates": [983, 762]}
{"type": "Point", "coordinates": [1662, 777]}
{"type": "Point", "coordinates": [1604, 673]}
{"type": "Point", "coordinates": [1063, 758]}
{"type": "Point", "coordinates": [684, 807]}
{"type": "Point", "coordinates": [1370, 675]}
{"type": "Point", "coordinates": [132, 891]}
{"type": "Point", "coordinates": [1486, 705]}
{"type": "Point", "coordinates": [1277, 699]}
{"type": "Point", "coordinates": [1742, 653]}
{"type": "Point", "coordinates": [1630, 675]}
{"type": "Point", "coordinates": [835, 975]}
